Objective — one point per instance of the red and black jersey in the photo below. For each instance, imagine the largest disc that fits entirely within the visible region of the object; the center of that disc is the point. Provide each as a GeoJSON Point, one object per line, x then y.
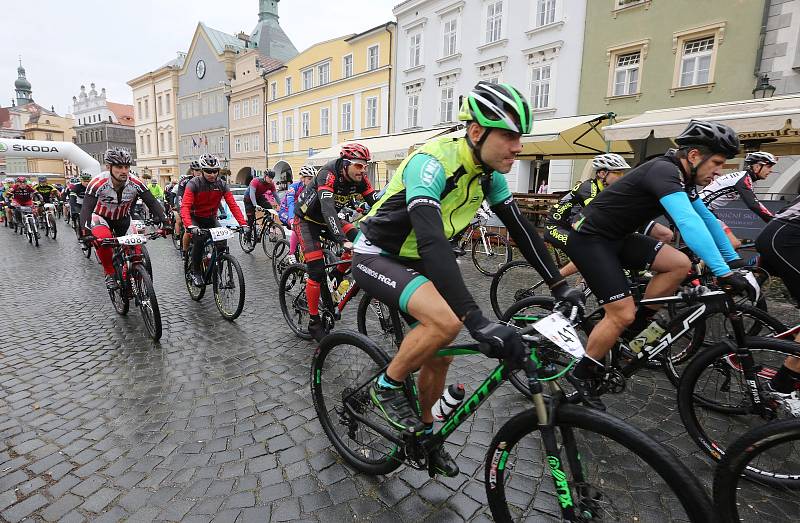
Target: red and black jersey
{"type": "Point", "coordinates": [113, 204]}
{"type": "Point", "coordinates": [22, 194]}
{"type": "Point", "coordinates": [201, 199]}
{"type": "Point", "coordinates": [330, 182]}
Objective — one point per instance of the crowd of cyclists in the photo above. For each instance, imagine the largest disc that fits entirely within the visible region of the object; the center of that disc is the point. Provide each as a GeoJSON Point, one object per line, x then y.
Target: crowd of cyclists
{"type": "Point", "coordinates": [400, 253]}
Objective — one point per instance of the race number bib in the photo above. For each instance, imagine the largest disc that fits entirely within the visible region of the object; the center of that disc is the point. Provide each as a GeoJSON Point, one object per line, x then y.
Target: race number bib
{"type": "Point", "coordinates": [220, 233]}
{"type": "Point", "coordinates": [557, 329]}
{"type": "Point", "coordinates": [132, 239]}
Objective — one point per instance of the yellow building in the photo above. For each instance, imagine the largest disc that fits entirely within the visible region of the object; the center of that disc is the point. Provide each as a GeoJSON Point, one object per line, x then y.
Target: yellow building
{"type": "Point", "coordinates": [47, 125]}
{"type": "Point", "coordinates": [332, 92]}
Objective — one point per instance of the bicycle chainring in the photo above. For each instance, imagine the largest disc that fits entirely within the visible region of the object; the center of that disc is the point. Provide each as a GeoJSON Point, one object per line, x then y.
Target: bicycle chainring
{"type": "Point", "coordinates": [614, 382]}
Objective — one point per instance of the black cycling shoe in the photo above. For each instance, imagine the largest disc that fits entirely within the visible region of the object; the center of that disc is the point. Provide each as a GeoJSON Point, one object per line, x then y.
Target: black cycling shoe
{"type": "Point", "coordinates": [111, 282]}
{"type": "Point", "coordinates": [395, 408]}
{"type": "Point", "coordinates": [197, 279]}
{"type": "Point", "coordinates": [316, 329]}
{"type": "Point", "coordinates": [589, 390]}
{"type": "Point", "coordinates": [443, 463]}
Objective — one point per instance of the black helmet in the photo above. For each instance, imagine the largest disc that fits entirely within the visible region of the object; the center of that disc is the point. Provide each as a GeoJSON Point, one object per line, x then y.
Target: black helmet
{"type": "Point", "coordinates": [718, 137]}
{"type": "Point", "coordinates": [269, 173]}
{"type": "Point", "coordinates": [117, 156]}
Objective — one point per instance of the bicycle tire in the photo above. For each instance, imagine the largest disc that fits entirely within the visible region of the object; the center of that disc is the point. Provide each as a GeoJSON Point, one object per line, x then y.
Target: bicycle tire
{"type": "Point", "coordinates": [247, 245]}
{"type": "Point", "coordinates": [148, 303]}
{"type": "Point", "coordinates": [685, 486]}
{"type": "Point", "coordinates": [729, 471]}
{"type": "Point", "coordinates": [53, 228]}
{"type": "Point", "coordinates": [195, 293]}
{"type": "Point", "coordinates": [296, 307]}
{"type": "Point", "coordinates": [148, 264]}
{"type": "Point", "coordinates": [489, 263]}
{"type": "Point", "coordinates": [499, 305]}
{"type": "Point", "coordinates": [119, 296]}
{"type": "Point", "coordinates": [278, 259]}
{"type": "Point", "coordinates": [723, 362]}
{"type": "Point", "coordinates": [176, 239]}
{"type": "Point", "coordinates": [386, 461]}
{"type": "Point", "coordinates": [388, 323]}
{"type": "Point", "coordinates": [236, 280]}
{"type": "Point", "coordinates": [272, 234]}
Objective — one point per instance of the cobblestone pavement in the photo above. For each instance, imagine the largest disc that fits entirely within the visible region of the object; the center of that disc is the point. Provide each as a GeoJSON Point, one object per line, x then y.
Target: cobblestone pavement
{"type": "Point", "coordinates": [214, 423]}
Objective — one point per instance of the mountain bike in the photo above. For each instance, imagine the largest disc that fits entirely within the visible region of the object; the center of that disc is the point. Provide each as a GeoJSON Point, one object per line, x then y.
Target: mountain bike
{"type": "Point", "coordinates": [220, 269]}
{"type": "Point", "coordinates": [778, 444]}
{"type": "Point", "coordinates": [489, 250]}
{"type": "Point", "coordinates": [554, 459]}
{"type": "Point", "coordinates": [133, 279]}
{"type": "Point", "coordinates": [47, 217]}
{"type": "Point", "coordinates": [267, 233]}
{"type": "Point", "coordinates": [26, 224]}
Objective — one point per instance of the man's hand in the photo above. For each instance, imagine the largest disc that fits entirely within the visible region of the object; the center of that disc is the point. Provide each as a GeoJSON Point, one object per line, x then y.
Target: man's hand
{"type": "Point", "coordinates": [741, 282]}
{"type": "Point", "coordinates": [193, 229]}
{"type": "Point", "coordinates": [571, 300]}
{"type": "Point", "coordinates": [505, 340]}
{"type": "Point", "coordinates": [245, 229]}
{"type": "Point", "coordinates": [348, 245]}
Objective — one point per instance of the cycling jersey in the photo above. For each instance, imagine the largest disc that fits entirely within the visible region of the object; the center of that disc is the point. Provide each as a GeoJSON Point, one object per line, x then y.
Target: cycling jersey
{"type": "Point", "coordinates": [562, 213]}
{"type": "Point", "coordinates": [728, 187]}
{"type": "Point", "coordinates": [790, 213]}
{"type": "Point", "coordinates": [260, 188]}
{"type": "Point", "coordinates": [113, 204]}
{"type": "Point", "coordinates": [201, 199]}
{"type": "Point", "coordinates": [45, 190]}
{"type": "Point", "coordinates": [76, 193]}
{"type": "Point", "coordinates": [156, 191]}
{"type": "Point", "coordinates": [22, 195]}
{"type": "Point", "coordinates": [326, 195]}
{"type": "Point", "coordinates": [286, 209]}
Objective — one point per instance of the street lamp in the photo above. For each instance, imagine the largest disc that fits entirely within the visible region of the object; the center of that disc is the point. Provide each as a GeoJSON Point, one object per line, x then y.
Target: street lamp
{"type": "Point", "coordinates": [764, 89]}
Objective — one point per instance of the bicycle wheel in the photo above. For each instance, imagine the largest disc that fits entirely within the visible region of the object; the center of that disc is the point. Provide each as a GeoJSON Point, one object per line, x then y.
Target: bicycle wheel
{"type": "Point", "coordinates": [341, 371]}
{"type": "Point", "coordinates": [146, 261]}
{"type": "Point", "coordinates": [87, 249]}
{"type": "Point", "coordinates": [228, 287]}
{"type": "Point", "coordinates": [119, 296]}
{"type": "Point", "coordinates": [736, 500]}
{"type": "Point", "coordinates": [148, 304]}
{"type": "Point", "coordinates": [292, 298]}
{"type": "Point", "coordinates": [273, 234]}
{"type": "Point", "coordinates": [176, 238]}
{"type": "Point", "coordinates": [380, 322]}
{"type": "Point", "coordinates": [51, 224]}
{"type": "Point", "coordinates": [489, 257]}
{"type": "Point", "coordinates": [627, 476]}
{"type": "Point", "coordinates": [714, 397]}
{"type": "Point", "coordinates": [279, 260]}
{"type": "Point", "coordinates": [248, 241]}
{"type": "Point", "coordinates": [195, 293]}
{"type": "Point", "coordinates": [44, 224]}
{"type": "Point", "coordinates": [513, 282]}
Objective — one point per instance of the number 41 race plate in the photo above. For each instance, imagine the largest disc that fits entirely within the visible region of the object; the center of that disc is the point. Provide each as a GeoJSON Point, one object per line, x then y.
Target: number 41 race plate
{"type": "Point", "coordinates": [557, 329]}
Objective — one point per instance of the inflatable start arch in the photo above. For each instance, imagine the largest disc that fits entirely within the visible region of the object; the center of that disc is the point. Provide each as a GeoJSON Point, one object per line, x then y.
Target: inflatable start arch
{"type": "Point", "coordinates": [50, 150]}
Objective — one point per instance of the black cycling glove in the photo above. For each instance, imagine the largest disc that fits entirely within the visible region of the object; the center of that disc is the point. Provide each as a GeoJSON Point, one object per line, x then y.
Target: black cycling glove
{"type": "Point", "coordinates": [741, 282]}
{"type": "Point", "coordinates": [569, 300]}
{"type": "Point", "coordinates": [504, 340]}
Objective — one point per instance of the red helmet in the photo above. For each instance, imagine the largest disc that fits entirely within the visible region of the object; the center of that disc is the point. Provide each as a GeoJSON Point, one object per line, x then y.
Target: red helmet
{"type": "Point", "coordinates": [355, 151]}
{"type": "Point", "coordinates": [22, 179]}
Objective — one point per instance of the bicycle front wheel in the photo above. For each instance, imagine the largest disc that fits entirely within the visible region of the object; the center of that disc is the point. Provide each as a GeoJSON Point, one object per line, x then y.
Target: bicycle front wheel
{"type": "Point", "coordinates": [605, 470]}
{"type": "Point", "coordinates": [279, 259]}
{"type": "Point", "coordinates": [119, 296]}
{"type": "Point", "coordinates": [195, 293]}
{"type": "Point", "coordinates": [513, 282]}
{"type": "Point", "coordinates": [716, 403]}
{"type": "Point", "coordinates": [51, 225]}
{"type": "Point", "coordinates": [292, 297]}
{"type": "Point", "coordinates": [378, 321]}
{"type": "Point", "coordinates": [247, 241]}
{"type": "Point", "coordinates": [148, 304]}
{"type": "Point", "coordinates": [490, 252]}
{"type": "Point", "coordinates": [274, 233]}
{"type": "Point", "coordinates": [341, 372]}
{"type": "Point", "coordinates": [229, 287]}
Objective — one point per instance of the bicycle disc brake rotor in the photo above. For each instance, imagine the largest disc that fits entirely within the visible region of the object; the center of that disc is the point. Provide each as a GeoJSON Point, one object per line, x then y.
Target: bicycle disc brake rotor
{"type": "Point", "coordinates": [614, 382]}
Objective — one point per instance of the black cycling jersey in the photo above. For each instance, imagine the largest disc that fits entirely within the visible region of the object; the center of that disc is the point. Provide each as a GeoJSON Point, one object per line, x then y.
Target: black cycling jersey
{"type": "Point", "coordinates": [570, 204]}
{"type": "Point", "coordinates": [634, 200]}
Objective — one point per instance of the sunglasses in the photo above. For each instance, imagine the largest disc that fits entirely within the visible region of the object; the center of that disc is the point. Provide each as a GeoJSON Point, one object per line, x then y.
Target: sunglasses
{"type": "Point", "coordinates": [211, 171]}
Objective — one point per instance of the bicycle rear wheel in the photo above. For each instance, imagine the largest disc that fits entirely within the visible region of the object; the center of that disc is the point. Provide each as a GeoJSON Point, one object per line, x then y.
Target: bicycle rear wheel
{"type": "Point", "coordinates": [606, 470]}
{"type": "Point", "coordinates": [195, 293]}
{"type": "Point", "coordinates": [247, 241]}
{"type": "Point", "coordinates": [228, 287]}
{"type": "Point", "coordinates": [279, 259]}
{"type": "Point", "coordinates": [715, 402]}
{"type": "Point", "coordinates": [737, 500]}
{"type": "Point", "coordinates": [513, 282]}
{"type": "Point", "coordinates": [490, 257]}
{"type": "Point", "coordinates": [341, 371]}
{"type": "Point", "coordinates": [292, 298]}
{"type": "Point", "coordinates": [272, 234]}
{"type": "Point", "coordinates": [148, 303]}
{"type": "Point", "coordinates": [119, 296]}
{"type": "Point", "coordinates": [380, 322]}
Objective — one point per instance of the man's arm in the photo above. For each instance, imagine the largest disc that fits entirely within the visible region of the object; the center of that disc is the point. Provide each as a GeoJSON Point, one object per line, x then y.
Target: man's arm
{"type": "Point", "coordinates": [89, 203]}
{"type": "Point", "coordinates": [325, 181]}
{"type": "Point", "coordinates": [745, 189]}
{"type": "Point", "coordinates": [717, 232]}
{"type": "Point", "coordinates": [186, 206]}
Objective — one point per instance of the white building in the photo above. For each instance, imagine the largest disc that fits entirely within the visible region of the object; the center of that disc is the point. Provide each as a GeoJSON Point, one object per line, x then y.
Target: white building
{"type": "Point", "coordinates": [444, 47]}
{"type": "Point", "coordinates": [91, 107]}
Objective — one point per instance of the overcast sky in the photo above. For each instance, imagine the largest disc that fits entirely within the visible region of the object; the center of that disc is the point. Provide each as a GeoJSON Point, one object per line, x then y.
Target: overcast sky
{"type": "Point", "coordinates": [108, 42]}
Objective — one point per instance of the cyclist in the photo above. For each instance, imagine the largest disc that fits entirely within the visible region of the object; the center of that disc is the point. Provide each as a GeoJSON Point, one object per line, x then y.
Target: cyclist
{"type": "Point", "coordinates": [608, 168]}
{"type": "Point", "coordinates": [45, 191]}
{"type": "Point", "coordinates": [403, 257]}
{"type": "Point", "coordinates": [779, 246]}
{"type": "Point", "coordinates": [316, 215]}
{"type": "Point", "coordinates": [21, 195]}
{"type": "Point", "coordinates": [155, 189]}
{"type": "Point", "coordinates": [169, 196]}
{"type": "Point", "coordinates": [286, 209]}
{"type": "Point", "coordinates": [199, 208]}
{"type": "Point", "coordinates": [603, 242]}
{"type": "Point", "coordinates": [5, 198]}
{"type": "Point", "coordinates": [107, 205]}
{"type": "Point", "coordinates": [77, 192]}
{"type": "Point", "coordinates": [180, 187]}
{"type": "Point", "coordinates": [261, 192]}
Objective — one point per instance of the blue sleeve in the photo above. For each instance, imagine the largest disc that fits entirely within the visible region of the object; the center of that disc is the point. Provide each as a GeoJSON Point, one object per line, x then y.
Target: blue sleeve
{"type": "Point", "coordinates": [499, 191]}
{"type": "Point", "coordinates": [290, 201]}
{"type": "Point", "coordinates": [713, 226]}
{"type": "Point", "coordinates": [694, 231]}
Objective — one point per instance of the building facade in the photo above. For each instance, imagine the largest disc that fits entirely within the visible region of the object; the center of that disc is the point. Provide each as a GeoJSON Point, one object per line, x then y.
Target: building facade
{"type": "Point", "coordinates": [155, 96]}
{"type": "Point", "coordinates": [445, 47]}
{"type": "Point", "coordinates": [332, 92]}
{"type": "Point", "coordinates": [47, 125]}
{"type": "Point", "coordinates": [100, 124]}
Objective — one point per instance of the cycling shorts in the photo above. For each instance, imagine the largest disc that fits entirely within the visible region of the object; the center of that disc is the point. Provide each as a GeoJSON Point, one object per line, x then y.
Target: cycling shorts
{"type": "Point", "coordinates": [120, 227]}
{"type": "Point", "coordinates": [309, 234]}
{"type": "Point", "coordinates": [602, 262]}
{"type": "Point", "coordinates": [388, 279]}
{"type": "Point", "coordinates": [556, 236]}
{"type": "Point", "coordinates": [779, 246]}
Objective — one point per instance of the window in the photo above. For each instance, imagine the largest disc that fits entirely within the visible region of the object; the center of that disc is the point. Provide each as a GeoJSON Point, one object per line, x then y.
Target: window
{"type": "Point", "coordinates": [347, 123]}
{"type": "Point", "coordinates": [168, 102]}
{"type": "Point", "coordinates": [626, 74]}
{"type": "Point", "coordinates": [273, 90]}
{"type": "Point", "coordinates": [308, 79]}
{"type": "Point", "coordinates": [255, 139]}
{"type": "Point", "coordinates": [347, 66]}
{"type": "Point", "coordinates": [139, 108]}
{"type": "Point", "coordinates": [323, 73]}
{"type": "Point", "coordinates": [141, 143]}
{"type": "Point", "coordinates": [149, 145]}
{"type": "Point", "coordinates": [696, 62]}
{"type": "Point", "coordinates": [288, 85]}
{"type": "Point", "coordinates": [246, 143]}
{"type": "Point", "coordinates": [305, 125]}
{"type": "Point", "coordinates": [450, 34]}
{"type": "Point", "coordinates": [413, 110]}
{"type": "Point", "coordinates": [220, 144]}
{"type": "Point", "coordinates": [245, 108]}
{"type": "Point", "coordinates": [273, 131]}
{"type": "Point", "coordinates": [540, 87]}
{"type": "Point", "coordinates": [545, 12]}
{"type": "Point", "coordinates": [414, 50]}
{"type": "Point", "coordinates": [161, 143]}
{"type": "Point", "coordinates": [372, 58]}
{"type": "Point", "coordinates": [288, 128]}
{"type": "Point", "coordinates": [494, 21]}
{"type": "Point", "coordinates": [372, 112]}
{"type": "Point", "coordinates": [48, 136]}
{"type": "Point", "coordinates": [169, 137]}
{"type": "Point", "coordinates": [255, 103]}
{"type": "Point", "coordinates": [626, 3]}
{"type": "Point", "coordinates": [147, 108]}
{"type": "Point", "coordinates": [237, 144]}
{"type": "Point", "coordinates": [446, 106]}
{"type": "Point", "coordinates": [324, 119]}
{"type": "Point", "coordinates": [237, 110]}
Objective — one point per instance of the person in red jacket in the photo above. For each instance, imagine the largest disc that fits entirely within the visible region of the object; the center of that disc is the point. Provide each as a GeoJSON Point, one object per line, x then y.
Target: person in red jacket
{"type": "Point", "coordinates": [199, 208]}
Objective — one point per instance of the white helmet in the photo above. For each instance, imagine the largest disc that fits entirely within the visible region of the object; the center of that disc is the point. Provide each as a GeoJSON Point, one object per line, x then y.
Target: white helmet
{"type": "Point", "coordinates": [609, 162]}
{"type": "Point", "coordinates": [307, 170]}
{"type": "Point", "coordinates": [760, 157]}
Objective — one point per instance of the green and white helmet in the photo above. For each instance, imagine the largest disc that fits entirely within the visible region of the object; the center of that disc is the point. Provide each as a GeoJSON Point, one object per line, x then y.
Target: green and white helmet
{"type": "Point", "coordinates": [497, 106]}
